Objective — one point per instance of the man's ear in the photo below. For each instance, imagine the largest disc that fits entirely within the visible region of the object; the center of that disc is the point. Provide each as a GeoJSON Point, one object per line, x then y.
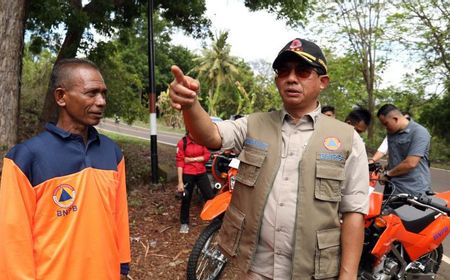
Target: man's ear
{"type": "Point", "coordinates": [324, 81]}
{"type": "Point", "coordinates": [60, 94]}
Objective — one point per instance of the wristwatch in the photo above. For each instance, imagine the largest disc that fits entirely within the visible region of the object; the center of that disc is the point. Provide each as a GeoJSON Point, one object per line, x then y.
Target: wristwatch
{"type": "Point", "coordinates": [385, 174]}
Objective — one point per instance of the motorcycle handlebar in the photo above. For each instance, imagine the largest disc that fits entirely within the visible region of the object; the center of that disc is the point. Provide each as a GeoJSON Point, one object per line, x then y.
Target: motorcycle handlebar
{"type": "Point", "coordinates": [376, 166]}
{"type": "Point", "coordinates": [428, 201]}
{"type": "Point", "coordinates": [421, 201]}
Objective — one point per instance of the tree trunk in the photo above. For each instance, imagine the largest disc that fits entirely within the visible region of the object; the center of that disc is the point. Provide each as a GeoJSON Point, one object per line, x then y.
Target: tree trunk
{"type": "Point", "coordinates": [12, 19]}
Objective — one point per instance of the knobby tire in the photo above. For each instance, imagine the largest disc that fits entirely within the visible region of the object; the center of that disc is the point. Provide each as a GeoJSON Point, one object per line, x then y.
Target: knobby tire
{"type": "Point", "coordinates": [197, 253]}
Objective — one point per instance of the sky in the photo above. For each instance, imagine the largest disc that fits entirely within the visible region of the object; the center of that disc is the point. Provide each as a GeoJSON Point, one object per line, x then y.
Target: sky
{"type": "Point", "coordinates": [259, 35]}
{"type": "Point", "coordinates": [252, 35]}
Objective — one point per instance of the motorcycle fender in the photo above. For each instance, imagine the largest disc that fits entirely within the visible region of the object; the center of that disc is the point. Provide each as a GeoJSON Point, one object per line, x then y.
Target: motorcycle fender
{"type": "Point", "coordinates": [216, 206]}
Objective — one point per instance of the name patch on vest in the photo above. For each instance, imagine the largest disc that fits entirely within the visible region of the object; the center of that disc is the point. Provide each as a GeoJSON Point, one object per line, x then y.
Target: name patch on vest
{"type": "Point", "coordinates": [256, 143]}
{"type": "Point", "coordinates": [333, 157]}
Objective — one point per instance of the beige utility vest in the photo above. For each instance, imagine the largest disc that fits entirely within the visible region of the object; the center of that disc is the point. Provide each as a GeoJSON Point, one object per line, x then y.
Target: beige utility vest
{"type": "Point", "coordinates": [321, 173]}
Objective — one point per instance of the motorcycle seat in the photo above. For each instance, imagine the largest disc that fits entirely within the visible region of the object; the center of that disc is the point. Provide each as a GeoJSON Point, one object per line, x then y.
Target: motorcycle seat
{"type": "Point", "coordinates": [415, 220]}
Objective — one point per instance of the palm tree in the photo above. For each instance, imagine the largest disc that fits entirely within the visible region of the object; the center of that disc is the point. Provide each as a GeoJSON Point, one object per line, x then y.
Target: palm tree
{"type": "Point", "coordinates": [217, 68]}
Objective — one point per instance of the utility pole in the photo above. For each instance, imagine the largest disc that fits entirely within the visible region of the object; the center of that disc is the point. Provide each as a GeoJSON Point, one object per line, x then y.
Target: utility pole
{"type": "Point", "coordinates": [152, 96]}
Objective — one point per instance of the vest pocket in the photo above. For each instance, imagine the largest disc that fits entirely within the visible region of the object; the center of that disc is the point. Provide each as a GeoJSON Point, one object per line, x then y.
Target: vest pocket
{"type": "Point", "coordinates": [329, 177]}
{"type": "Point", "coordinates": [328, 253]}
{"type": "Point", "coordinates": [251, 161]}
{"type": "Point", "coordinates": [231, 230]}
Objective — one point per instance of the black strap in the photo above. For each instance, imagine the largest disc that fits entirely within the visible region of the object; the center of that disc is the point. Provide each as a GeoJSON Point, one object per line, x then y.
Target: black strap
{"type": "Point", "coordinates": [184, 143]}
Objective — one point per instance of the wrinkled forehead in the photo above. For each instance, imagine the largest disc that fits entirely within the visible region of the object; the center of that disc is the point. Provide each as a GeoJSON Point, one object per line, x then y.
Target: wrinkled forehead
{"type": "Point", "coordinates": [82, 74]}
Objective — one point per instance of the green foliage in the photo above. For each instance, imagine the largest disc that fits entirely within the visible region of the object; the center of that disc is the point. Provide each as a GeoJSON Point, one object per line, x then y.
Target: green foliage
{"type": "Point", "coordinates": [171, 117]}
{"type": "Point", "coordinates": [35, 78]}
{"type": "Point", "coordinates": [217, 68]}
{"type": "Point", "coordinates": [358, 28]}
{"type": "Point", "coordinates": [47, 17]}
{"type": "Point", "coordinates": [188, 15]}
{"type": "Point", "coordinates": [347, 86]}
{"type": "Point", "coordinates": [122, 71]}
{"type": "Point", "coordinates": [36, 72]}
{"type": "Point", "coordinates": [293, 11]}
{"type": "Point", "coordinates": [423, 28]}
{"type": "Point", "coordinates": [440, 152]}
{"type": "Point", "coordinates": [436, 116]}
{"type": "Point", "coordinates": [124, 64]}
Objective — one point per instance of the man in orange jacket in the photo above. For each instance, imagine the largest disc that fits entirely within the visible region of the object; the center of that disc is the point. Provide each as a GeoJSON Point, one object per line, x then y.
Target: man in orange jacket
{"type": "Point", "coordinates": [63, 205]}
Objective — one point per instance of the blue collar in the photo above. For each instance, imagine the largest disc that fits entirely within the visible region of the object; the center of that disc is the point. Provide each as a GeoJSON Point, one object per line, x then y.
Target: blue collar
{"type": "Point", "coordinates": [92, 132]}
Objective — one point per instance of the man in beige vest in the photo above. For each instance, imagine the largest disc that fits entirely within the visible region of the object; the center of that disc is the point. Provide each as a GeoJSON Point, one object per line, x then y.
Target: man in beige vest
{"type": "Point", "coordinates": [301, 192]}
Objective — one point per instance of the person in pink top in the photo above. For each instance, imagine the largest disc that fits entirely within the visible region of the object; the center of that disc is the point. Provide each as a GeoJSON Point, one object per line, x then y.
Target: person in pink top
{"type": "Point", "coordinates": [190, 160]}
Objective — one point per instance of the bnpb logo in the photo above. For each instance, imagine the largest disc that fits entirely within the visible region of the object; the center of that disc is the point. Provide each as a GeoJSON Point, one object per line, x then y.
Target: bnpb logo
{"type": "Point", "coordinates": [64, 195]}
{"type": "Point", "coordinates": [332, 143]}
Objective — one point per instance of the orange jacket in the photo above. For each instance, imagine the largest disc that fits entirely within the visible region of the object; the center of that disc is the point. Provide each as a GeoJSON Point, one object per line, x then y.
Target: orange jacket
{"type": "Point", "coordinates": [63, 209]}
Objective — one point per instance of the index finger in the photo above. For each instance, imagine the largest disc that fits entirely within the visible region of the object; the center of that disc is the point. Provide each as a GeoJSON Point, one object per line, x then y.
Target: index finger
{"type": "Point", "coordinates": [178, 75]}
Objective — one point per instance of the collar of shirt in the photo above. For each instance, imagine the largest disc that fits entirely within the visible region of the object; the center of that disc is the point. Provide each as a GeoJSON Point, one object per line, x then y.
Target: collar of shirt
{"type": "Point", "coordinates": [407, 129]}
{"type": "Point", "coordinates": [310, 117]}
{"type": "Point", "coordinates": [92, 133]}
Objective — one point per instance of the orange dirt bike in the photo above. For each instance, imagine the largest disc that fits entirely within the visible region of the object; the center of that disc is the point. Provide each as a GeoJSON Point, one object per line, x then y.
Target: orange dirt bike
{"type": "Point", "coordinates": [206, 261]}
{"type": "Point", "coordinates": [403, 234]}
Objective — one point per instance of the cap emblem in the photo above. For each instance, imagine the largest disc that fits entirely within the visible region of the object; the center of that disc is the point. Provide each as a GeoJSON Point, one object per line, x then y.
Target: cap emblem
{"type": "Point", "coordinates": [296, 45]}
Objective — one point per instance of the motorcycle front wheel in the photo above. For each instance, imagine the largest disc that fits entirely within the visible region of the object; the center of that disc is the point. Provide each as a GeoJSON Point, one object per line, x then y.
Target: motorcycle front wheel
{"type": "Point", "coordinates": [206, 261]}
{"type": "Point", "coordinates": [430, 262]}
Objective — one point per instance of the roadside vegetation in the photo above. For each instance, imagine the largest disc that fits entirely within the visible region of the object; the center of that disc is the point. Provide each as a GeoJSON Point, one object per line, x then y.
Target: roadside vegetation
{"type": "Point", "coordinates": [357, 58]}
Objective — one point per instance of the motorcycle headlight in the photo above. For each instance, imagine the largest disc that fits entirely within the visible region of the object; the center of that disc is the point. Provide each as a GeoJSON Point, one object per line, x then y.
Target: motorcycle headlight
{"type": "Point", "coordinates": [380, 223]}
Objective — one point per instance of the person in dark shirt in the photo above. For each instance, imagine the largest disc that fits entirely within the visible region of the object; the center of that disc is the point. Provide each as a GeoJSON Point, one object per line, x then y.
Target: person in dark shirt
{"type": "Point", "coordinates": [329, 111]}
{"type": "Point", "coordinates": [360, 119]}
{"type": "Point", "coordinates": [408, 167]}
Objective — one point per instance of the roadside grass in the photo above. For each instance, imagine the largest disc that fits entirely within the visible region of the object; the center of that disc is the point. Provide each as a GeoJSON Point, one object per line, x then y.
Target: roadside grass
{"type": "Point", "coordinates": [120, 138]}
{"type": "Point", "coordinates": [441, 165]}
{"type": "Point", "coordinates": [138, 159]}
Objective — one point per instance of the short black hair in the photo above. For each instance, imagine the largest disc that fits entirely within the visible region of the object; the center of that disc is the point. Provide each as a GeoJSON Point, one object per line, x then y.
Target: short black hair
{"type": "Point", "coordinates": [327, 108]}
{"type": "Point", "coordinates": [359, 114]}
{"type": "Point", "coordinates": [386, 109]}
{"type": "Point", "coordinates": [60, 72]}
{"type": "Point", "coordinates": [407, 114]}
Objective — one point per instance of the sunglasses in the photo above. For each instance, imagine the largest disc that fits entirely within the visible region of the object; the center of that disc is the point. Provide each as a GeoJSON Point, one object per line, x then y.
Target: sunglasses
{"type": "Point", "coordinates": [301, 70]}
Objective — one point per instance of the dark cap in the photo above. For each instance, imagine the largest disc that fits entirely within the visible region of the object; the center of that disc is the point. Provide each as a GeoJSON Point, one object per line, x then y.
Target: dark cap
{"type": "Point", "coordinates": [304, 49]}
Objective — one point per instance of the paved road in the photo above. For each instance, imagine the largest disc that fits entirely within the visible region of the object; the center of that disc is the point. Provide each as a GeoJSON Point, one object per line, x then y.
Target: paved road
{"type": "Point", "coordinates": [440, 178]}
{"type": "Point", "coordinates": [168, 138]}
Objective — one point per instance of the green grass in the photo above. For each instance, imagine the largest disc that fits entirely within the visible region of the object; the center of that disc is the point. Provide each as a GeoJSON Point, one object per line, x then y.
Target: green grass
{"type": "Point", "coordinates": [443, 165]}
{"type": "Point", "coordinates": [124, 139]}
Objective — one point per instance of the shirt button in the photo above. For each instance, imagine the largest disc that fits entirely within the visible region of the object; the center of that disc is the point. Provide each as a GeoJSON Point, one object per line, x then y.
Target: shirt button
{"type": "Point", "coordinates": [278, 229]}
{"type": "Point", "coordinates": [277, 253]}
{"type": "Point", "coordinates": [291, 154]}
{"type": "Point", "coordinates": [286, 178]}
{"type": "Point", "coordinates": [281, 204]}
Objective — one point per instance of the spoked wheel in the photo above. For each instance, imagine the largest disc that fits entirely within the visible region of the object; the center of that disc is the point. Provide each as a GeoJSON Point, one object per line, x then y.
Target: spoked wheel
{"type": "Point", "coordinates": [206, 261]}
